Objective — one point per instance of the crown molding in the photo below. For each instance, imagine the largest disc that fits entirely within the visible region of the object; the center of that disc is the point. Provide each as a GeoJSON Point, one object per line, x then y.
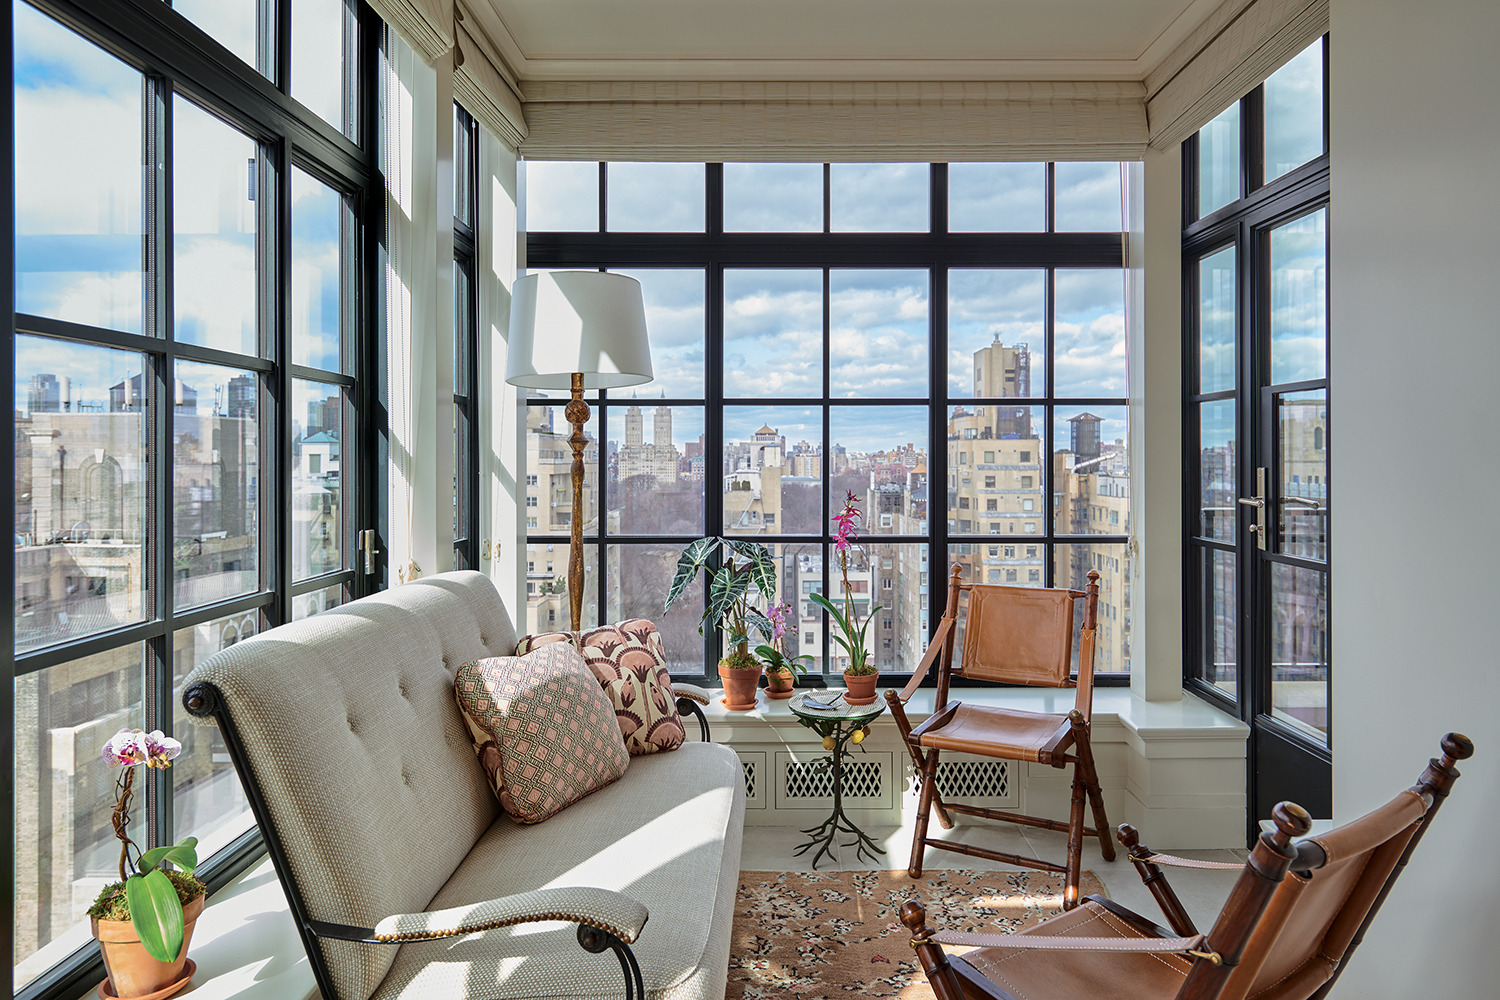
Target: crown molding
{"type": "Point", "coordinates": [554, 68]}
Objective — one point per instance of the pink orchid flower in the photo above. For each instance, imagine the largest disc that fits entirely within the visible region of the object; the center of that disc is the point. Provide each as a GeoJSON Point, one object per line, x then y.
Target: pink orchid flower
{"type": "Point", "coordinates": [130, 747]}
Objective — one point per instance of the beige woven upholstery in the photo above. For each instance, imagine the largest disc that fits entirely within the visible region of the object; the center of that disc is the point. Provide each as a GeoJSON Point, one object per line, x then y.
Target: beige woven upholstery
{"type": "Point", "coordinates": [691, 691]}
{"type": "Point", "coordinates": [351, 730]}
{"type": "Point", "coordinates": [611, 911]}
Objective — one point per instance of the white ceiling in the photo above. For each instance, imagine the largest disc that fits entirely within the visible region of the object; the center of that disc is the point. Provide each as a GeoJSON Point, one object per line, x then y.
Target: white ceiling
{"type": "Point", "coordinates": [837, 39]}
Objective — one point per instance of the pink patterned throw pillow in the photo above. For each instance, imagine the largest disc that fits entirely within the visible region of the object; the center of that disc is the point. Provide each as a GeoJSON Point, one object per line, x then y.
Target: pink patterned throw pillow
{"type": "Point", "coordinates": [540, 726]}
{"type": "Point", "coordinates": [627, 659]}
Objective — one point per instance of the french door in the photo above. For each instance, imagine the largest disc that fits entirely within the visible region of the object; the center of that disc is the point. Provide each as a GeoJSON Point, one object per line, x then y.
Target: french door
{"type": "Point", "coordinates": [1259, 438]}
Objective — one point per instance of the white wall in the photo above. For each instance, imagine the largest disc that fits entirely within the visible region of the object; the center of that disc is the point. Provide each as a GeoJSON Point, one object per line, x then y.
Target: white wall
{"type": "Point", "coordinates": [1415, 283]}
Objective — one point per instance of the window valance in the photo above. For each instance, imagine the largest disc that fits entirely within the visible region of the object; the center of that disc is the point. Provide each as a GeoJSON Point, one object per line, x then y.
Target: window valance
{"type": "Point", "coordinates": [834, 121]}
{"type": "Point", "coordinates": [1236, 48]}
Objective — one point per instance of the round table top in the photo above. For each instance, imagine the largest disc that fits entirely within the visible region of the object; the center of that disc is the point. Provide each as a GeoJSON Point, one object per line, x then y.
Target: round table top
{"type": "Point", "coordinates": [842, 712]}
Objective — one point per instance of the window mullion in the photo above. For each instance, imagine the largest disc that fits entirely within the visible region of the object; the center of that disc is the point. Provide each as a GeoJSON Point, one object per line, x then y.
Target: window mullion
{"type": "Point", "coordinates": [159, 373]}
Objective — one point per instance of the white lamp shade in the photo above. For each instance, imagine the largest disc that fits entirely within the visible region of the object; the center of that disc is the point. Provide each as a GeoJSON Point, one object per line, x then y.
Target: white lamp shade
{"type": "Point", "coordinates": [591, 322]}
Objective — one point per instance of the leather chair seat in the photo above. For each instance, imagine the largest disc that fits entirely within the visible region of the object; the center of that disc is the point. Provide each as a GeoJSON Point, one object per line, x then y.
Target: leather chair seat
{"type": "Point", "coordinates": [1098, 975]}
{"type": "Point", "coordinates": [1000, 732]}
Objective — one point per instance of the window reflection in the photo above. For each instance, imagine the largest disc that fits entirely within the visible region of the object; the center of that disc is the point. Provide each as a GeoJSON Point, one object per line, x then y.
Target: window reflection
{"type": "Point", "coordinates": [80, 481]}
{"type": "Point", "coordinates": [79, 207]}
{"type": "Point", "coordinates": [1294, 112]}
{"type": "Point", "coordinates": [1299, 299]}
{"type": "Point", "coordinates": [317, 479]}
{"type": "Point", "coordinates": [64, 794]}
{"type": "Point", "coordinates": [323, 58]}
{"type": "Point", "coordinates": [233, 24]}
{"type": "Point", "coordinates": [322, 247]}
{"type": "Point", "coordinates": [1216, 321]}
{"type": "Point", "coordinates": [216, 489]}
{"type": "Point", "coordinates": [213, 217]}
{"type": "Point", "coordinates": [1219, 161]}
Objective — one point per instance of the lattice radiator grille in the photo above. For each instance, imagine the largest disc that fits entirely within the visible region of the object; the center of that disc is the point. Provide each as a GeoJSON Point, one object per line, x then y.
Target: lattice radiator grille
{"type": "Point", "coordinates": [749, 766]}
{"type": "Point", "coordinates": [863, 779]}
{"type": "Point", "coordinates": [962, 779]}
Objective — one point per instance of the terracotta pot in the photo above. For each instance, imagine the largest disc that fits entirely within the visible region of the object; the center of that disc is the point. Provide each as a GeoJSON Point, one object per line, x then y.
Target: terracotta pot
{"type": "Point", "coordinates": [133, 972]}
{"type": "Point", "coordinates": [739, 686]}
{"type": "Point", "coordinates": [779, 683]}
{"type": "Point", "coordinates": [861, 688]}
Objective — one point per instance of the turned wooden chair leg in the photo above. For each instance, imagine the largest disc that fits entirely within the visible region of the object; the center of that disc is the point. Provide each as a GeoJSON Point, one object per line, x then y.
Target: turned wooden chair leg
{"type": "Point", "coordinates": [1075, 842]}
{"type": "Point", "coordinates": [924, 806]}
{"type": "Point", "coordinates": [917, 758]}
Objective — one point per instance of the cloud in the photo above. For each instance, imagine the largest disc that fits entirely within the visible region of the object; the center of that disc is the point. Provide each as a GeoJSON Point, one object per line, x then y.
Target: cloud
{"type": "Point", "coordinates": [773, 197]}
{"type": "Point", "coordinates": [987, 303]}
{"type": "Point", "coordinates": [773, 339]}
{"type": "Point", "coordinates": [1089, 198]}
{"type": "Point", "coordinates": [561, 196]}
{"type": "Point", "coordinates": [997, 197]}
{"type": "Point", "coordinates": [655, 197]}
{"type": "Point", "coordinates": [879, 197]}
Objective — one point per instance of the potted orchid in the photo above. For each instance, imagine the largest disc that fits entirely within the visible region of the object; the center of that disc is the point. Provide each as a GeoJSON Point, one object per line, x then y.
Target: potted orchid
{"type": "Point", "coordinates": [861, 675]}
{"type": "Point", "coordinates": [144, 922]}
{"type": "Point", "coordinates": [781, 670]}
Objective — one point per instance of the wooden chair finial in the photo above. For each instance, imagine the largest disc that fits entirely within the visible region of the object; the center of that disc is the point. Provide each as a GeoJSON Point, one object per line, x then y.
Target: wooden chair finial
{"type": "Point", "coordinates": [1129, 836]}
{"type": "Point", "coordinates": [1456, 747]}
{"type": "Point", "coordinates": [1291, 821]}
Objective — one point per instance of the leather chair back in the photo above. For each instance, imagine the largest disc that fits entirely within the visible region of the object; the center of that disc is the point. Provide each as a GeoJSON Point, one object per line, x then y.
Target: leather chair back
{"type": "Point", "coordinates": [1019, 635]}
{"type": "Point", "coordinates": [1312, 919]}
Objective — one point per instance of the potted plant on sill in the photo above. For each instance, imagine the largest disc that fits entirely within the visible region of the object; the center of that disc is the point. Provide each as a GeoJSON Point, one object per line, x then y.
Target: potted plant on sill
{"type": "Point", "coordinates": [144, 922]}
{"type": "Point", "coordinates": [730, 606]}
{"type": "Point", "coordinates": [861, 676]}
{"type": "Point", "coordinates": [781, 670]}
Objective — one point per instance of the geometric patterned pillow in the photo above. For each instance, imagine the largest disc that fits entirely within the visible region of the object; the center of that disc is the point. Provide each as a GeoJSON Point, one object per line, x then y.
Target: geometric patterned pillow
{"type": "Point", "coordinates": [627, 659]}
{"type": "Point", "coordinates": [541, 729]}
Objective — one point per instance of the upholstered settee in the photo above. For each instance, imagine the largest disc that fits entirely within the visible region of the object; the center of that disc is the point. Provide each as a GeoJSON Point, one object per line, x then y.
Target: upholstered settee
{"type": "Point", "coordinates": [405, 877]}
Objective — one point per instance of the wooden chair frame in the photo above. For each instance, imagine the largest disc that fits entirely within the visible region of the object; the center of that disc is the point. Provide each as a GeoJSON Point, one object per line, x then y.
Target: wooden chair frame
{"type": "Point", "coordinates": [1217, 954]}
{"type": "Point", "coordinates": [1073, 733]}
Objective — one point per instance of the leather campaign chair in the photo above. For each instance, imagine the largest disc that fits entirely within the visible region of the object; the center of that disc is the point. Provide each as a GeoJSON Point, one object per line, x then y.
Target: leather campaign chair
{"type": "Point", "coordinates": [1287, 929]}
{"type": "Point", "coordinates": [1016, 635]}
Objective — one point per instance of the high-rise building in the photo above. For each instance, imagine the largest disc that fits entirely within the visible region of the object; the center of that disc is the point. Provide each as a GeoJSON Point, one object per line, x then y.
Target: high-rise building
{"type": "Point", "coordinates": [44, 394]}
{"type": "Point", "coordinates": [660, 459]}
{"type": "Point", "coordinates": [1002, 371]}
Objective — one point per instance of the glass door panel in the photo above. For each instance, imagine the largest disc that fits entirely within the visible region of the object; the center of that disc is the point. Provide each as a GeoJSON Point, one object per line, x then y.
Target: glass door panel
{"type": "Point", "coordinates": [1299, 650]}
{"type": "Point", "coordinates": [1302, 444]}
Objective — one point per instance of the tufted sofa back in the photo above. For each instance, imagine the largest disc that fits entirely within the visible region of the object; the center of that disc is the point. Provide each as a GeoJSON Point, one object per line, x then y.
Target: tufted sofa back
{"type": "Point", "coordinates": [351, 732]}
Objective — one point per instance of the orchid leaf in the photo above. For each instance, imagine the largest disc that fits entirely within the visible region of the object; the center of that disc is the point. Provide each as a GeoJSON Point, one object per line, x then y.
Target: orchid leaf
{"type": "Point", "coordinates": [689, 563]}
{"type": "Point", "coordinates": [181, 854]}
{"type": "Point", "coordinates": [156, 913]}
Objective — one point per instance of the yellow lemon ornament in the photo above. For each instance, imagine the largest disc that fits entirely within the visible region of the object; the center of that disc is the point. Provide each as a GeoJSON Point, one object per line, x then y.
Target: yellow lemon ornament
{"type": "Point", "coordinates": [859, 736]}
{"type": "Point", "coordinates": [828, 743]}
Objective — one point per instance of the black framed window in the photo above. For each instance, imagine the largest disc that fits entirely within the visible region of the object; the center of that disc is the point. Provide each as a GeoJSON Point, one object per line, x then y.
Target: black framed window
{"type": "Point", "coordinates": [193, 278]}
{"type": "Point", "coordinates": [465, 342]}
{"type": "Point", "coordinates": [944, 341]}
{"type": "Point", "coordinates": [1257, 427]}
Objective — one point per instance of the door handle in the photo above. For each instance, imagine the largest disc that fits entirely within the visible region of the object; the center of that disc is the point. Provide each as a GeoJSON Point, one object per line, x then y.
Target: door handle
{"type": "Point", "coordinates": [1259, 503]}
{"type": "Point", "coordinates": [367, 547]}
{"type": "Point", "coordinates": [1303, 501]}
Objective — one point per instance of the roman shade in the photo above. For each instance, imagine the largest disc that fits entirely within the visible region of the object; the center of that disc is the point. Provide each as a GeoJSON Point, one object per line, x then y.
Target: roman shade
{"type": "Point", "coordinates": [424, 24]}
{"type": "Point", "coordinates": [482, 88]}
{"type": "Point", "coordinates": [765, 121]}
{"type": "Point", "coordinates": [1232, 51]}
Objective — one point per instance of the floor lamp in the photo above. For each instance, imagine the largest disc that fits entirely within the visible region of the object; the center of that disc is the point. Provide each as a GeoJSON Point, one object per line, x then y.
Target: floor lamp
{"type": "Point", "coordinates": [577, 330]}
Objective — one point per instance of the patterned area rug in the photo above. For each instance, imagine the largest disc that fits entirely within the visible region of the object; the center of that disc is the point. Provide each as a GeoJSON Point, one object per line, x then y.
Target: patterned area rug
{"type": "Point", "coordinates": [822, 935]}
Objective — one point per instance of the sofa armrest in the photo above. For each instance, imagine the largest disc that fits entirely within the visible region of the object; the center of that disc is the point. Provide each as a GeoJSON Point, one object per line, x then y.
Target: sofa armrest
{"type": "Point", "coordinates": [612, 912]}
{"type": "Point", "coordinates": [691, 691]}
